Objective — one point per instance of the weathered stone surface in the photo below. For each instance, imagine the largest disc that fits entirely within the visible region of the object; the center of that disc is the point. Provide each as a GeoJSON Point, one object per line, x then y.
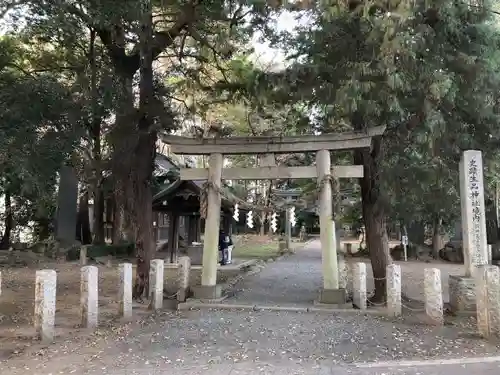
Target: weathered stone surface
{"type": "Point", "coordinates": [462, 293]}
{"type": "Point", "coordinates": [83, 256]}
{"type": "Point", "coordinates": [473, 211]}
{"type": "Point", "coordinates": [488, 300]}
{"type": "Point", "coordinates": [394, 290]}
{"type": "Point", "coordinates": [343, 271]}
{"type": "Point", "coordinates": [89, 296]}
{"type": "Point", "coordinates": [184, 271]}
{"type": "Point", "coordinates": [207, 292]}
{"type": "Point", "coordinates": [332, 296]}
{"type": "Point", "coordinates": [156, 283]}
{"type": "Point", "coordinates": [0, 283]}
{"type": "Point", "coordinates": [45, 304]}
{"type": "Point", "coordinates": [125, 291]}
{"type": "Point", "coordinates": [359, 285]}
{"type": "Point", "coordinates": [433, 295]}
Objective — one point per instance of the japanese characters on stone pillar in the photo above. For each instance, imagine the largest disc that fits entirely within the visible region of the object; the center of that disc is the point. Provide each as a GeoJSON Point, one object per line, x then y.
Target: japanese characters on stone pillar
{"type": "Point", "coordinates": [394, 290]}
{"type": "Point", "coordinates": [125, 292]}
{"type": "Point", "coordinates": [433, 295]}
{"type": "Point", "coordinates": [45, 304]}
{"type": "Point", "coordinates": [359, 285]}
{"type": "Point", "coordinates": [487, 300]}
{"type": "Point", "coordinates": [89, 296]}
{"type": "Point", "coordinates": [156, 283]}
{"type": "Point", "coordinates": [473, 211]}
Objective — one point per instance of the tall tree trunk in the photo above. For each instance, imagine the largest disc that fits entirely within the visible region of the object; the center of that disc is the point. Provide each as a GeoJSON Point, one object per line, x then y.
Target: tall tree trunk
{"type": "Point", "coordinates": [374, 215]}
{"type": "Point", "coordinates": [83, 233]}
{"type": "Point", "coordinates": [144, 156]}
{"type": "Point", "coordinates": [95, 132]}
{"type": "Point", "coordinates": [8, 221]}
{"type": "Point", "coordinates": [98, 229]}
{"type": "Point", "coordinates": [437, 237]}
{"type": "Point", "coordinates": [123, 140]}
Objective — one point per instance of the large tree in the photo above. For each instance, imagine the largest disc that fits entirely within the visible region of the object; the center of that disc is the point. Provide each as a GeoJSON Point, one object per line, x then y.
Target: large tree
{"type": "Point", "coordinates": [182, 36]}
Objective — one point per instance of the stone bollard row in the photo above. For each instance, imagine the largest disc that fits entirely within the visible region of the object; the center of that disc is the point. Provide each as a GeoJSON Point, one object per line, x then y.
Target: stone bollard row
{"type": "Point", "coordinates": [432, 286]}
{"type": "Point", "coordinates": [46, 285]}
{"type": "Point", "coordinates": [488, 300]}
{"type": "Point", "coordinates": [184, 271]}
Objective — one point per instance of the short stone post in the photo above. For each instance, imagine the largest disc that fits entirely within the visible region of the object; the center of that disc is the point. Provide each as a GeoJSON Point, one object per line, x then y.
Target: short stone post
{"type": "Point", "coordinates": [89, 300]}
{"type": "Point", "coordinates": [184, 272]}
{"type": "Point", "coordinates": [433, 295]}
{"type": "Point", "coordinates": [83, 255]}
{"type": "Point", "coordinates": [156, 284]}
{"type": "Point", "coordinates": [488, 303]}
{"type": "Point", "coordinates": [394, 290]}
{"type": "Point", "coordinates": [343, 271]}
{"type": "Point", "coordinates": [359, 285]}
{"type": "Point", "coordinates": [45, 304]}
{"type": "Point", "coordinates": [125, 292]}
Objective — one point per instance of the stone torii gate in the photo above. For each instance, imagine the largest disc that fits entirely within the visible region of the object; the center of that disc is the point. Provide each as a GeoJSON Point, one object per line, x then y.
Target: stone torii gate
{"type": "Point", "coordinates": [323, 171]}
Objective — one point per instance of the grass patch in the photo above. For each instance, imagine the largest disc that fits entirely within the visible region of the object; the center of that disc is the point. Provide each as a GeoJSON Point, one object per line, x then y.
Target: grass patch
{"type": "Point", "coordinates": [255, 247]}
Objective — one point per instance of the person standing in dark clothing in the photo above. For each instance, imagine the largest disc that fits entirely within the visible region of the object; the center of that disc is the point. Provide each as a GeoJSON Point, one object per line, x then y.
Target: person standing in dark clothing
{"type": "Point", "coordinates": [224, 243]}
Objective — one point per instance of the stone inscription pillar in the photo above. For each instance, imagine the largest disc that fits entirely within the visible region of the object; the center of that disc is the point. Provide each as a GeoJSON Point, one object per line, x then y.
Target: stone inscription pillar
{"type": "Point", "coordinates": [473, 211]}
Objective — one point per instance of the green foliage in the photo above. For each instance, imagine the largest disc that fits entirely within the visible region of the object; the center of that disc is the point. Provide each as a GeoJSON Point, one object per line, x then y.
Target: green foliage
{"type": "Point", "coordinates": [39, 127]}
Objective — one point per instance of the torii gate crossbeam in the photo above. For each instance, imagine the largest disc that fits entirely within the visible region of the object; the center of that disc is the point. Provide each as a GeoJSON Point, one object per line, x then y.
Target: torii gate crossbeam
{"type": "Point", "coordinates": [323, 171]}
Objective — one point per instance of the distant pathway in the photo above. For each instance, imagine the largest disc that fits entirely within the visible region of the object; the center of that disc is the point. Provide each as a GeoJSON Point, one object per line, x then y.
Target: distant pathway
{"type": "Point", "coordinates": [296, 279]}
{"type": "Point", "coordinates": [292, 281]}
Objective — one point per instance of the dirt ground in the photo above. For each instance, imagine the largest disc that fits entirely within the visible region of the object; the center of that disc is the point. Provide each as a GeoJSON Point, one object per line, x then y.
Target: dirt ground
{"type": "Point", "coordinates": [18, 293]}
{"type": "Point", "coordinates": [17, 297]}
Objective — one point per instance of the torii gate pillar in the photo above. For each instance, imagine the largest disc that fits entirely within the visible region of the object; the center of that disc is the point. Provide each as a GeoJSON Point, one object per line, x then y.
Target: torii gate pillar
{"type": "Point", "coordinates": [330, 293]}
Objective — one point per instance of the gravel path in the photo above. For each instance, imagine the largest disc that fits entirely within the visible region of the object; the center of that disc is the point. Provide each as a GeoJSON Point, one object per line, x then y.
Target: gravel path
{"type": "Point", "coordinates": [247, 342]}
{"type": "Point", "coordinates": [296, 279]}
{"type": "Point", "coordinates": [292, 281]}
{"type": "Point", "coordinates": [237, 342]}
